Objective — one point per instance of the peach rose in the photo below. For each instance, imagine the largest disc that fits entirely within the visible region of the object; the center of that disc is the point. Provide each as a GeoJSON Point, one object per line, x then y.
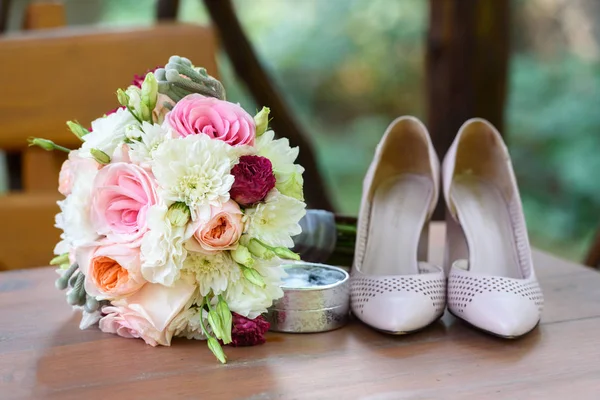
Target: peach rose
{"type": "Point", "coordinates": [70, 167]}
{"type": "Point", "coordinates": [160, 111]}
{"type": "Point", "coordinates": [220, 231]}
{"type": "Point", "coordinates": [111, 271]}
{"type": "Point", "coordinates": [148, 313]}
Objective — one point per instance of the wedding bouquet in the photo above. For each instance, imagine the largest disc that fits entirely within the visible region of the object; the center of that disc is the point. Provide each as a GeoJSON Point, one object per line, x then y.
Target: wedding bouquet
{"type": "Point", "coordinates": [179, 208]}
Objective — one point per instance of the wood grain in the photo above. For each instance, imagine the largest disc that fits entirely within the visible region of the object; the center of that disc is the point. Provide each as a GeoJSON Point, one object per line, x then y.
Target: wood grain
{"type": "Point", "coordinates": [43, 354]}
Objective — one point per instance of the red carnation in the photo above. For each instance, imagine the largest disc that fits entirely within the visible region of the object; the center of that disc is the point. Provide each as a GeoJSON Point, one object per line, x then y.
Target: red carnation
{"type": "Point", "coordinates": [253, 180]}
{"type": "Point", "coordinates": [248, 332]}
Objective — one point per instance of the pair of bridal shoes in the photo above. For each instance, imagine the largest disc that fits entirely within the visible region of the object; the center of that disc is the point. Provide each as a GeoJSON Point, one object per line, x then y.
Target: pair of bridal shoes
{"type": "Point", "coordinates": [487, 279]}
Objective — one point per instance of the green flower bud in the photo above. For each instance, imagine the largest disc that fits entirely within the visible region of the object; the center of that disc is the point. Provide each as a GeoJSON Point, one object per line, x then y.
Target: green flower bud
{"type": "Point", "coordinates": [46, 144]}
{"type": "Point", "coordinates": [77, 129]}
{"type": "Point", "coordinates": [215, 323]}
{"type": "Point", "coordinates": [259, 250]}
{"type": "Point", "coordinates": [254, 277]}
{"type": "Point", "coordinates": [100, 156]}
{"type": "Point", "coordinates": [285, 253]}
{"type": "Point", "coordinates": [149, 92]}
{"type": "Point", "coordinates": [261, 120]}
{"type": "Point", "coordinates": [178, 214]}
{"type": "Point", "coordinates": [145, 113]}
{"type": "Point", "coordinates": [61, 259]}
{"type": "Point", "coordinates": [241, 255]}
{"type": "Point", "coordinates": [122, 97]}
{"type": "Point", "coordinates": [217, 350]}
{"type": "Point", "coordinates": [226, 320]}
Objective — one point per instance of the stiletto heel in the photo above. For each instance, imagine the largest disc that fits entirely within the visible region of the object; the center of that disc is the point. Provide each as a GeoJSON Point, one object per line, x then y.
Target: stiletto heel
{"type": "Point", "coordinates": [491, 283]}
{"type": "Point", "coordinates": [393, 288]}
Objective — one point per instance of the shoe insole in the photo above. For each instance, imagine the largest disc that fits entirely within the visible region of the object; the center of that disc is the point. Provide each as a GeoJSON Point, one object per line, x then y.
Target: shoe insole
{"type": "Point", "coordinates": [398, 211]}
{"type": "Point", "coordinates": [485, 218]}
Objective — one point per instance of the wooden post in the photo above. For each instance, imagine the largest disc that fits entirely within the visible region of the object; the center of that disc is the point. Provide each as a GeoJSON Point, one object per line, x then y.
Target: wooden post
{"type": "Point", "coordinates": [248, 68]}
{"type": "Point", "coordinates": [166, 10]}
{"type": "Point", "coordinates": [467, 64]}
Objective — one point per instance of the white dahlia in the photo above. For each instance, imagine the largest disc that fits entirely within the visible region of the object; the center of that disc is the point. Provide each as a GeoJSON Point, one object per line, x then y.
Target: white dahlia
{"type": "Point", "coordinates": [194, 170]}
{"type": "Point", "coordinates": [162, 249]}
{"type": "Point", "coordinates": [108, 132]}
{"type": "Point", "coordinates": [212, 272]}
{"type": "Point", "coordinates": [275, 221]}
{"type": "Point", "coordinates": [249, 300]}
{"type": "Point", "coordinates": [148, 138]}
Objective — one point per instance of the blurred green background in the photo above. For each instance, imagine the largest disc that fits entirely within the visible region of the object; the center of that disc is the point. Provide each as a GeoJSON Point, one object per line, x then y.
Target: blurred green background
{"type": "Point", "coordinates": [348, 67]}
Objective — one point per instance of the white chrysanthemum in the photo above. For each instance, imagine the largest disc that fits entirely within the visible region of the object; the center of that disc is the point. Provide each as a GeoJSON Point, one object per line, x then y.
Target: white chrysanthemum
{"type": "Point", "coordinates": [249, 300]}
{"type": "Point", "coordinates": [195, 170]}
{"type": "Point", "coordinates": [275, 221]}
{"type": "Point", "coordinates": [288, 175]}
{"type": "Point", "coordinates": [74, 218]}
{"type": "Point", "coordinates": [162, 249]}
{"type": "Point", "coordinates": [212, 272]}
{"type": "Point", "coordinates": [187, 324]}
{"type": "Point", "coordinates": [108, 132]}
{"type": "Point", "coordinates": [149, 138]}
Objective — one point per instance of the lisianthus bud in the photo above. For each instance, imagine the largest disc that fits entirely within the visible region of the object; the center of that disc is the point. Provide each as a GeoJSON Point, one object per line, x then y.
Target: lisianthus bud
{"type": "Point", "coordinates": [253, 180]}
{"type": "Point", "coordinates": [100, 156]}
{"type": "Point", "coordinates": [149, 92]}
{"type": "Point", "coordinates": [77, 129]}
{"type": "Point", "coordinates": [285, 253]}
{"type": "Point", "coordinates": [254, 277]}
{"type": "Point", "coordinates": [259, 250]}
{"type": "Point", "coordinates": [61, 259]}
{"type": "Point", "coordinates": [215, 347]}
{"type": "Point", "coordinates": [122, 97]}
{"type": "Point", "coordinates": [226, 320]}
{"type": "Point", "coordinates": [215, 323]}
{"type": "Point", "coordinates": [241, 255]}
{"type": "Point", "coordinates": [178, 214]}
{"type": "Point", "coordinates": [46, 144]}
{"type": "Point", "coordinates": [262, 120]}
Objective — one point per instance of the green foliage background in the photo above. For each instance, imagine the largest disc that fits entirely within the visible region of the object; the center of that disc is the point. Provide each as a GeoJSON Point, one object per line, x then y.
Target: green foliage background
{"type": "Point", "coordinates": [348, 67]}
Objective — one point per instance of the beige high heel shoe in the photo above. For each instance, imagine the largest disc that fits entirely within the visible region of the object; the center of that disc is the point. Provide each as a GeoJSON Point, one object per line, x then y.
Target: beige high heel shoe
{"type": "Point", "coordinates": [393, 288]}
{"type": "Point", "coordinates": [491, 283]}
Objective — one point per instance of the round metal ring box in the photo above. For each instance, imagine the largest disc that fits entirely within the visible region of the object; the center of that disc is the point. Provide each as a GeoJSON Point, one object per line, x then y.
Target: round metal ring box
{"type": "Point", "coordinates": [316, 299]}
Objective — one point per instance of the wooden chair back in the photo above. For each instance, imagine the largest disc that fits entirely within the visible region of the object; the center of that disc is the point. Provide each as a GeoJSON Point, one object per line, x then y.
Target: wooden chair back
{"type": "Point", "coordinates": [55, 75]}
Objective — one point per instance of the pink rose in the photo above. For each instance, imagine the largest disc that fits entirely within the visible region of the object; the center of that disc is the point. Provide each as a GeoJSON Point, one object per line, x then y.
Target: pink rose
{"type": "Point", "coordinates": [219, 119]}
{"type": "Point", "coordinates": [220, 230]}
{"type": "Point", "coordinates": [122, 195]}
{"type": "Point", "coordinates": [70, 167]}
{"type": "Point", "coordinates": [148, 313]}
{"type": "Point", "coordinates": [112, 271]}
{"type": "Point", "coordinates": [253, 180]}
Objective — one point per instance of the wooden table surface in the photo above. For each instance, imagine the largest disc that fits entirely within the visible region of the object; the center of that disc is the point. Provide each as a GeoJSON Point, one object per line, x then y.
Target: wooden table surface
{"type": "Point", "coordinates": [43, 354]}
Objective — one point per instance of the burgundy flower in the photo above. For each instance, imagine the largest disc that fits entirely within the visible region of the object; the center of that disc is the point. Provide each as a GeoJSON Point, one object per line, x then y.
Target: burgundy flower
{"type": "Point", "coordinates": [253, 179]}
{"type": "Point", "coordinates": [248, 332]}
